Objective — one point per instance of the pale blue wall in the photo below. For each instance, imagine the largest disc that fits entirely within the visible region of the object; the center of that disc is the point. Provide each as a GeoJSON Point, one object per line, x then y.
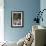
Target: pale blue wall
{"type": "Point", "coordinates": [43, 6]}
{"type": "Point", "coordinates": [29, 7]}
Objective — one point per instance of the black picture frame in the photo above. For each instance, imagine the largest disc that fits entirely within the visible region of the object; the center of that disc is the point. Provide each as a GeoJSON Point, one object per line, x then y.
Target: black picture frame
{"type": "Point", "coordinates": [17, 19]}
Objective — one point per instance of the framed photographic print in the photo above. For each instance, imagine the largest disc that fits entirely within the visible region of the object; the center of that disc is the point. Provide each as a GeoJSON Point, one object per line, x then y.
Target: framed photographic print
{"type": "Point", "coordinates": [17, 19]}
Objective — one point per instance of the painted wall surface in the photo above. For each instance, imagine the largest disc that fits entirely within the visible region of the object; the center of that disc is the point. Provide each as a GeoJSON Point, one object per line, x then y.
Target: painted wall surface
{"type": "Point", "coordinates": [1, 20]}
{"type": "Point", "coordinates": [43, 6]}
{"type": "Point", "coordinates": [29, 7]}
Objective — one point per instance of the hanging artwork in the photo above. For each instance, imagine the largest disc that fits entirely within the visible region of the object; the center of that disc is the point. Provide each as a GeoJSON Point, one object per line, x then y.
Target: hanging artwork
{"type": "Point", "coordinates": [17, 19]}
